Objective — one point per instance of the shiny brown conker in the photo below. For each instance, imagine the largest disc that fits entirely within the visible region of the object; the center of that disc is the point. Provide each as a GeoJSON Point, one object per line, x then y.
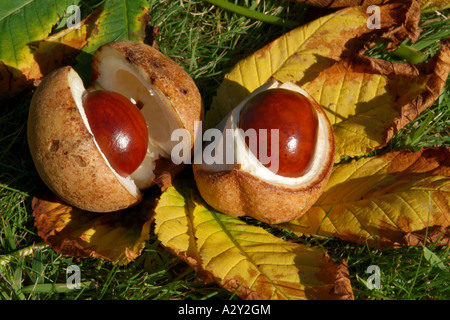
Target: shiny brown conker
{"type": "Point", "coordinates": [119, 129]}
{"type": "Point", "coordinates": [296, 119]}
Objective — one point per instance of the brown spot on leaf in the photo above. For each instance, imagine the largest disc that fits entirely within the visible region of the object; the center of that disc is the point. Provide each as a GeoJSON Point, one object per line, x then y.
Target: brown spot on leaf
{"type": "Point", "coordinates": [404, 222]}
{"type": "Point", "coordinates": [243, 291]}
{"type": "Point", "coordinates": [436, 235]}
{"type": "Point", "coordinates": [265, 288]}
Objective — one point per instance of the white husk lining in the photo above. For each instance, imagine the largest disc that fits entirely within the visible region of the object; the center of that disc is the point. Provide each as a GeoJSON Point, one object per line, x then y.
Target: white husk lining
{"type": "Point", "coordinates": [248, 162]}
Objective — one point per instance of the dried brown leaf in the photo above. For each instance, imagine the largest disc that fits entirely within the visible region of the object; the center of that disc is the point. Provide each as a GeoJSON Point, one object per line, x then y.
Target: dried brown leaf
{"type": "Point", "coordinates": [117, 236]}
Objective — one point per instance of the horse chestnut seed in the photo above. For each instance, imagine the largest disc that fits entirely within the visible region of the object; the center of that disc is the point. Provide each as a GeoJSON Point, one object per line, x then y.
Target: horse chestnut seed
{"type": "Point", "coordinates": [119, 129]}
{"type": "Point", "coordinates": [296, 119]}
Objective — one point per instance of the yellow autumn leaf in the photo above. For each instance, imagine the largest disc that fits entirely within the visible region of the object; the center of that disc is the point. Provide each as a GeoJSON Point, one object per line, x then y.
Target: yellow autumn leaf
{"type": "Point", "coordinates": [304, 52]}
{"type": "Point", "coordinates": [432, 5]}
{"type": "Point", "coordinates": [390, 200]}
{"type": "Point", "coordinates": [245, 258]}
{"type": "Point", "coordinates": [425, 5]}
{"type": "Point", "coordinates": [117, 236]}
{"type": "Point", "coordinates": [172, 225]}
{"type": "Point", "coordinates": [367, 100]}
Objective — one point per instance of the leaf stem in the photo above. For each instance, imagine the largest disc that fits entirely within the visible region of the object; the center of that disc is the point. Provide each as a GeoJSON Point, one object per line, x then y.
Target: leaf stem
{"type": "Point", "coordinates": [252, 14]}
{"type": "Point", "coordinates": [410, 54]}
{"type": "Point", "coordinates": [55, 287]}
{"type": "Point", "coordinates": [5, 259]}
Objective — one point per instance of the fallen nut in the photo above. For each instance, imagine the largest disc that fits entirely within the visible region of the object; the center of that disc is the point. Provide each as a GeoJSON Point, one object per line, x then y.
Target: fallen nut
{"type": "Point", "coordinates": [247, 187]}
{"type": "Point", "coordinates": [137, 97]}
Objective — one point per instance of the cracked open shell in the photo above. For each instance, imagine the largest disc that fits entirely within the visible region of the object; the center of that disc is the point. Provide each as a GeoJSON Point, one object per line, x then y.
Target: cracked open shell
{"type": "Point", "coordinates": [63, 148]}
{"type": "Point", "coordinates": [245, 187]}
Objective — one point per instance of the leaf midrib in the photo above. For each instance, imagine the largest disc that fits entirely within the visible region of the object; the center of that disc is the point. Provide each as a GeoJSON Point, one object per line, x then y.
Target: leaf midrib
{"type": "Point", "coordinates": [125, 18]}
{"type": "Point", "coordinates": [345, 204]}
{"type": "Point", "coordinates": [239, 247]}
{"type": "Point", "coordinates": [14, 11]}
{"type": "Point", "coordinates": [395, 193]}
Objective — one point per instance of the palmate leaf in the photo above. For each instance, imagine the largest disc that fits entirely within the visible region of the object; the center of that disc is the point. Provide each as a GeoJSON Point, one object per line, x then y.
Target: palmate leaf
{"type": "Point", "coordinates": [22, 24]}
{"type": "Point", "coordinates": [119, 20]}
{"type": "Point", "coordinates": [28, 53]}
{"type": "Point", "coordinates": [244, 258]}
{"type": "Point", "coordinates": [367, 100]}
{"type": "Point", "coordinates": [389, 201]}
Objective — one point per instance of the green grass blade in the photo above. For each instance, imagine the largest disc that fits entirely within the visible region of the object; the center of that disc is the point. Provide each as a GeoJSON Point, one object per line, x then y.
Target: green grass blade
{"type": "Point", "coordinates": [55, 287]}
{"type": "Point", "coordinates": [433, 259]}
{"type": "Point", "coordinates": [120, 20]}
{"type": "Point", "coordinates": [252, 14]}
{"type": "Point", "coordinates": [410, 54]}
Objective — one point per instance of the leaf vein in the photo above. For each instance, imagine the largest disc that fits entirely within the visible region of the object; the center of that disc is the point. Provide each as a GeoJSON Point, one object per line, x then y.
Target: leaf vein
{"type": "Point", "coordinates": [339, 93]}
{"type": "Point", "coordinates": [424, 223]}
{"type": "Point", "coordinates": [241, 249]}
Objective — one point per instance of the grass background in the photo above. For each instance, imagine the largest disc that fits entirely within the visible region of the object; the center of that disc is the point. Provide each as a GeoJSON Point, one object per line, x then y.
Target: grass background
{"type": "Point", "coordinates": [207, 41]}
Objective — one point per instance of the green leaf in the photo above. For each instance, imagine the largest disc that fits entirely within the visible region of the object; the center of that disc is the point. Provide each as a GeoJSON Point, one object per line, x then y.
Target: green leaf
{"type": "Point", "coordinates": [119, 20]}
{"type": "Point", "coordinates": [37, 267]}
{"type": "Point", "coordinates": [410, 54]}
{"type": "Point", "coordinates": [24, 24]}
{"type": "Point", "coordinates": [25, 21]}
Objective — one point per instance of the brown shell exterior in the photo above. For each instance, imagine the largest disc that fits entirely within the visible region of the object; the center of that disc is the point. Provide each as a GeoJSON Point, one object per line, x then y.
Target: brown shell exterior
{"type": "Point", "coordinates": [238, 193]}
{"type": "Point", "coordinates": [168, 76]}
{"type": "Point", "coordinates": [65, 154]}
